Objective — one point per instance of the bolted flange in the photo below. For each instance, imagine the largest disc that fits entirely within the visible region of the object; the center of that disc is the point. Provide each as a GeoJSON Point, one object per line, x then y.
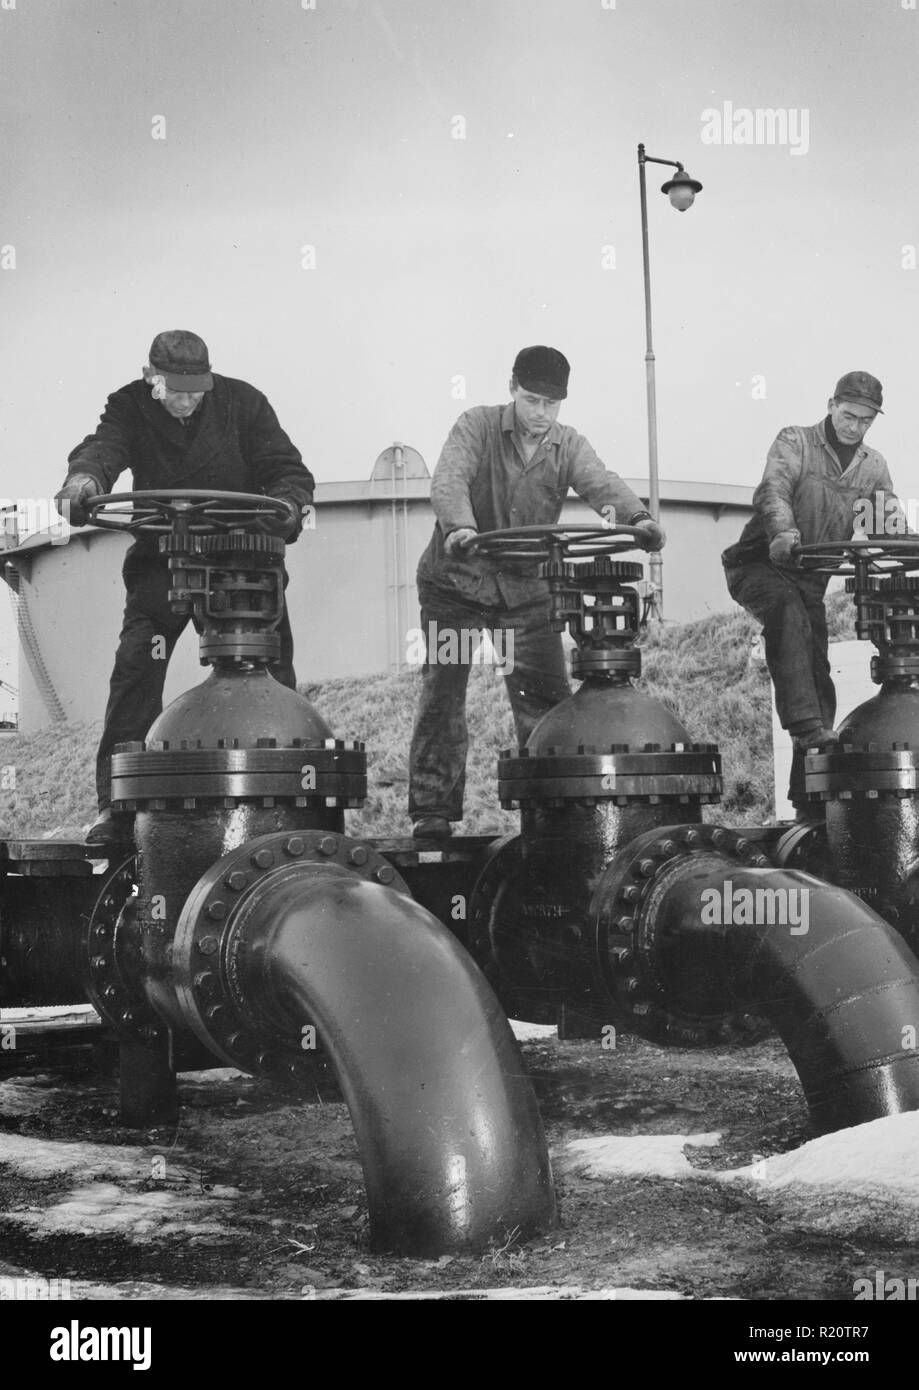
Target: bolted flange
{"type": "Point", "coordinates": [622, 774]}
{"type": "Point", "coordinates": [118, 1000]}
{"type": "Point", "coordinates": [332, 773]}
{"type": "Point", "coordinates": [210, 938]}
{"type": "Point", "coordinates": [624, 941]}
{"type": "Point", "coordinates": [484, 904]}
{"type": "Point", "coordinates": [850, 772]}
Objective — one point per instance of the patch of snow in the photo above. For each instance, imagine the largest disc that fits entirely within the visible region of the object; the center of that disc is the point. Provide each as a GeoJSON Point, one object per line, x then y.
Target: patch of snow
{"type": "Point", "coordinates": [215, 1074]}
{"type": "Point", "coordinates": [113, 1191]}
{"type": "Point", "coordinates": [532, 1032]}
{"type": "Point", "coordinates": [865, 1158]}
{"type": "Point", "coordinates": [630, 1155]}
{"type": "Point", "coordinates": [856, 1179]}
{"type": "Point", "coordinates": [49, 1011]}
{"type": "Point", "coordinates": [107, 1209]}
{"type": "Point", "coordinates": [45, 1158]}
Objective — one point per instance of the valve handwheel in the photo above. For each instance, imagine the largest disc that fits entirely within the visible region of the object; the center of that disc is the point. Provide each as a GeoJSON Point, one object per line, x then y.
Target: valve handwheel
{"type": "Point", "coordinates": [191, 510]}
{"type": "Point", "coordinates": [578, 542]}
{"type": "Point", "coordinates": [863, 556]}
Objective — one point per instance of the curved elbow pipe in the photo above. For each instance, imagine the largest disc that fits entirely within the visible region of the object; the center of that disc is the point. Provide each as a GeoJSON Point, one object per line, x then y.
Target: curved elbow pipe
{"type": "Point", "coordinates": [840, 986]}
{"type": "Point", "coordinates": [450, 1137]}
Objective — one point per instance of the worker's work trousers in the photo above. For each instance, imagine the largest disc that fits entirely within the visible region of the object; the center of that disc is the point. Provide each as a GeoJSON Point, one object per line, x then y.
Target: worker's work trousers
{"type": "Point", "coordinates": [535, 677]}
{"type": "Point", "coordinates": [149, 633]}
{"type": "Point", "coordinates": [789, 605]}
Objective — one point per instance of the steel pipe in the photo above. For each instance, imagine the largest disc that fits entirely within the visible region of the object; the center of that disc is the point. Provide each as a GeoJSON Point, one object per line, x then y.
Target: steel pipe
{"type": "Point", "coordinates": [449, 1134]}
{"type": "Point", "coordinates": [42, 961]}
{"type": "Point", "coordinates": [841, 990]}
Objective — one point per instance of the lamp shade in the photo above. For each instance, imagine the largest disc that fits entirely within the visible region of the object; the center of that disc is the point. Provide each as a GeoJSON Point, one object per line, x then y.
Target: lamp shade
{"type": "Point", "coordinates": [682, 190]}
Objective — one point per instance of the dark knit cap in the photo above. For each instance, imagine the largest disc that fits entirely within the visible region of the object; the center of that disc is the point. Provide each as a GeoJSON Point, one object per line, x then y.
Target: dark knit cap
{"type": "Point", "coordinates": [181, 358]}
{"type": "Point", "coordinates": [544, 371]}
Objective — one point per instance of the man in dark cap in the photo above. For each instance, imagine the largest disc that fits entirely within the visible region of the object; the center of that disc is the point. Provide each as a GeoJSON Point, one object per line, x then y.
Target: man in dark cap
{"type": "Point", "coordinates": [817, 481]}
{"type": "Point", "coordinates": [502, 466]}
{"type": "Point", "coordinates": [179, 426]}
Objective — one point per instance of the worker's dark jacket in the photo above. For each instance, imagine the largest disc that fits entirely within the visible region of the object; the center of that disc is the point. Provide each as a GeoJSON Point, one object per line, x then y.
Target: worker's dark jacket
{"type": "Point", "coordinates": [806, 489]}
{"type": "Point", "coordinates": [233, 443]}
{"type": "Point", "coordinates": [482, 481]}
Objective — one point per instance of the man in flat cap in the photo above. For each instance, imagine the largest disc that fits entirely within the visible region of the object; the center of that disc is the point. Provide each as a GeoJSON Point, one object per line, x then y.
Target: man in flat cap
{"type": "Point", "coordinates": [502, 466]}
{"type": "Point", "coordinates": [814, 488]}
{"type": "Point", "coordinates": [178, 426]}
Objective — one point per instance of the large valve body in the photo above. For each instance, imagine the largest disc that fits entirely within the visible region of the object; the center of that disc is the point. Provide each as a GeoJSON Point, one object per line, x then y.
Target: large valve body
{"type": "Point", "coordinates": [869, 782]}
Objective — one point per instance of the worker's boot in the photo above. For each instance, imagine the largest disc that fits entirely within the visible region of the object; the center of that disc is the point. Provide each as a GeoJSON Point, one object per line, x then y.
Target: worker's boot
{"type": "Point", "coordinates": [112, 828]}
{"type": "Point", "coordinates": [432, 828]}
{"type": "Point", "coordinates": [817, 737]}
{"type": "Point", "coordinates": [813, 735]}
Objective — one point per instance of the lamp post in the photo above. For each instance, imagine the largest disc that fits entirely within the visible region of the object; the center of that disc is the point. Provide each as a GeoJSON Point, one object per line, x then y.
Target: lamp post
{"type": "Point", "coordinates": [682, 191]}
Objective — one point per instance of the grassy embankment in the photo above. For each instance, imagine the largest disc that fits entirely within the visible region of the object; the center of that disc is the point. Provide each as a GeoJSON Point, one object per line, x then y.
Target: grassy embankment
{"type": "Point", "coordinates": [701, 670]}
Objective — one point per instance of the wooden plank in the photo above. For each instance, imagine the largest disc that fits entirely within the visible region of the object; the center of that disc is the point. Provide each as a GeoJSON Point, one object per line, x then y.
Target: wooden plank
{"type": "Point", "coordinates": [44, 850]}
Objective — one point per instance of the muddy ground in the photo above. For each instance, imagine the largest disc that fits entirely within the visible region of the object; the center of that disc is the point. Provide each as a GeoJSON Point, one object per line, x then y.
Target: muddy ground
{"type": "Point", "coordinates": [258, 1194]}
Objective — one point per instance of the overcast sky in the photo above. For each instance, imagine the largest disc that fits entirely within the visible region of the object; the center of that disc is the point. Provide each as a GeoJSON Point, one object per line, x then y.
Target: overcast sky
{"type": "Point", "coordinates": [437, 257]}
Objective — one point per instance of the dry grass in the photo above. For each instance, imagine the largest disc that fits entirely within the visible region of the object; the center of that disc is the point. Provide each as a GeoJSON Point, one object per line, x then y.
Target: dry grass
{"type": "Point", "coordinates": [381, 711]}
{"type": "Point", "coordinates": [54, 772]}
{"type": "Point", "coordinates": [701, 670]}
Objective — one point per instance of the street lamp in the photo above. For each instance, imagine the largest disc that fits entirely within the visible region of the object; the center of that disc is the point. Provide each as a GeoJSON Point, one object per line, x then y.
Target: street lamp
{"type": "Point", "coordinates": [682, 191]}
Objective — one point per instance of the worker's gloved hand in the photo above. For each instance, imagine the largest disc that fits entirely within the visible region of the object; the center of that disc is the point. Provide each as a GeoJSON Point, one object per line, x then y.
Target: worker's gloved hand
{"type": "Point", "coordinates": [780, 549]}
{"type": "Point", "coordinates": [651, 535]}
{"type": "Point", "coordinates": [283, 526]}
{"type": "Point", "coordinates": [459, 540]}
{"type": "Point", "coordinates": [79, 489]}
